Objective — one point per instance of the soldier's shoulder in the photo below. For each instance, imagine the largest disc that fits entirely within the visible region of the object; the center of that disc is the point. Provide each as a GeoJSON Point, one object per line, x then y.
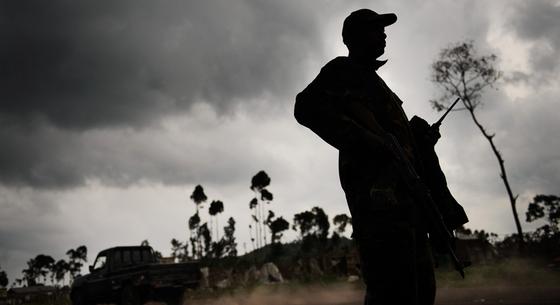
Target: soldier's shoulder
{"type": "Point", "coordinates": [339, 71]}
{"type": "Point", "coordinates": [337, 65]}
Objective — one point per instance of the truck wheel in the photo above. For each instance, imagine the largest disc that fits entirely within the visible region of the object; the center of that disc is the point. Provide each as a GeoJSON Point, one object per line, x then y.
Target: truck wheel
{"type": "Point", "coordinates": [173, 297]}
{"type": "Point", "coordinates": [131, 296]}
{"type": "Point", "coordinates": [173, 300]}
{"type": "Point", "coordinates": [78, 298]}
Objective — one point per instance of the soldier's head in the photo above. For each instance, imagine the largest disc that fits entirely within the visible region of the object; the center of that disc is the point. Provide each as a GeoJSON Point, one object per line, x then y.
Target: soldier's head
{"type": "Point", "coordinates": [363, 32]}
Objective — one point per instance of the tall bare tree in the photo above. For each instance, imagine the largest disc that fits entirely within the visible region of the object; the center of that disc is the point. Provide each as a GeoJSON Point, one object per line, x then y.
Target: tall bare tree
{"type": "Point", "coordinates": [461, 72]}
{"type": "Point", "coordinates": [229, 238]}
{"type": "Point", "coordinates": [216, 207]}
{"type": "Point", "coordinates": [206, 240]}
{"type": "Point", "coordinates": [198, 197]}
{"type": "Point", "coordinates": [259, 182]}
{"type": "Point", "coordinates": [194, 223]}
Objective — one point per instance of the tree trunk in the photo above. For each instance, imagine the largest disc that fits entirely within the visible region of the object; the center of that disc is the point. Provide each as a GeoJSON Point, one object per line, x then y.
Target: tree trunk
{"type": "Point", "coordinates": [217, 227]}
{"type": "Point", "coordinates": [512, 198]}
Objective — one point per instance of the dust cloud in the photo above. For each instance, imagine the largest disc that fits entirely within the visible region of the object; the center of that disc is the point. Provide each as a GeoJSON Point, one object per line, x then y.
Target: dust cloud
{"type": "Point", "coordinates": [546, 293]}
{"type": "Point", "coordinates": [289, 295]}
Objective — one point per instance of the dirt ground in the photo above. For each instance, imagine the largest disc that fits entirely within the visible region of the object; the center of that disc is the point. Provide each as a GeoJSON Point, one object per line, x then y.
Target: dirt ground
{"type": "Point", "coordinates": [351, 295]}
{"type": "Point", "coordinates": [499, 295]}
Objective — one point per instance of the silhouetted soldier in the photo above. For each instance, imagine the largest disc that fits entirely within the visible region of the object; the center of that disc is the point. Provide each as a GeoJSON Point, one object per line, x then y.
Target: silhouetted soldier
{"type": "Point", "coordinates": [350, 107]}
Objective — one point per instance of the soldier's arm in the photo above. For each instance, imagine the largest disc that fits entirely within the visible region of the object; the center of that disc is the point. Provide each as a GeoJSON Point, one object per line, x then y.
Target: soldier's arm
{"type": "Point", "coordinates": [329, 117]}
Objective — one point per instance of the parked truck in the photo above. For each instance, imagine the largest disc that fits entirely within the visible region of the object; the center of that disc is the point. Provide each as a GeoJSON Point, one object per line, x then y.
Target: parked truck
{"type": "Point", "coordinates": [133, 276]}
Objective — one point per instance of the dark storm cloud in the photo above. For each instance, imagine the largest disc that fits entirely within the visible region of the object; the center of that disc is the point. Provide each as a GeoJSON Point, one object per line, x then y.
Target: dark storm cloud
{"type": "Point", "coordinates": [531, 121]}
{"type": "Point", "coordinates": [37, 158]}
{"type": "Point", "coordinates": [529, 128]}
{"type": "Point", "coordinates": [537, 22]}
{"type": "Point", "coordinates": [84, 64]}
{"type": "Point", "coordinates": [52, 157]}
{"type": "Point", "coordinates": [70, 67]}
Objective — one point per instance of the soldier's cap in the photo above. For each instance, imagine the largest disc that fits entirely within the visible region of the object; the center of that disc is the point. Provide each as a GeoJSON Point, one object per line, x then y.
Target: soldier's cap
{"type": "Point", "coordinates": [362, 19]}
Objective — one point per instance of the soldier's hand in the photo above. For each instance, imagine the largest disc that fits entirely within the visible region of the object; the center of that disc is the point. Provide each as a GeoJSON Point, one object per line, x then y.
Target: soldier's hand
{"type": "Point", "coordinates": [433, 135]}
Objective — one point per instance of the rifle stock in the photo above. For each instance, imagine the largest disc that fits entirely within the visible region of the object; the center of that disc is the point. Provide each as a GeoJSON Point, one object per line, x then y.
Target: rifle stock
{"type": "Point", "coordinates": [422, 195]}
{"type": "Point", "coordinates": [357, 111]}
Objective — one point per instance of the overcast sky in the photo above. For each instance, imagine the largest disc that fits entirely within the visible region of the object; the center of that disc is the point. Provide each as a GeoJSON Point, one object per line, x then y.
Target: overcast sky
{"type": "Point", "coordinates": [112, 111]}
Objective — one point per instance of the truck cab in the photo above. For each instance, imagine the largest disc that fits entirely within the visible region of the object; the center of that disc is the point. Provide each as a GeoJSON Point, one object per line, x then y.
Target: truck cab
{"type": "Point", "coordinates": [122, 257]}
{"type": "Point", "coordinates": [131, 276]}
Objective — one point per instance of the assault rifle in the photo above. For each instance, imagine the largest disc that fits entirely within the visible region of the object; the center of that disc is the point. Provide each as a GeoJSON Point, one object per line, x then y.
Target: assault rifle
{"type": "Point", "coordinates": [438, 123]}
{"type": "Point", "coordinates": [422, 195]}
{"type": "Point", "coordinates": [357, 110]}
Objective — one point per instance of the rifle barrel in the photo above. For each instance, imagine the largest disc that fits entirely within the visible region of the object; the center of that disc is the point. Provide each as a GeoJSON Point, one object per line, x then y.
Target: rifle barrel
{"type": "Point", "coordinates": [422, 194]}
{"type": "Point", "coordinates": [438, 123]}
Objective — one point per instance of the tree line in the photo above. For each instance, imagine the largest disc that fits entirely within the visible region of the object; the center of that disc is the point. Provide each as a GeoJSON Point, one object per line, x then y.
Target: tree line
{"type": "Point", "coordinates": [205, 241]}
{"type": "Point", "coordinates": [44, 269]}
{"type": "Point", "coordinates": [313, 227]}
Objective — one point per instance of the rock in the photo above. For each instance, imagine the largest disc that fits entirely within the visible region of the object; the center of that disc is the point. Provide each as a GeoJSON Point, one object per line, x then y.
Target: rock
{"type": "Point", "coordinates": [252, 274]}
{"type": "Point", "coordinates": [225, 283]}
{"type": "Point", "coordinates": [314, 268]}
{"type": "Point", "coordinates": [297, 269]}
{"type": "Point", "coordinates": [353, 278]}
{"type": "Point", "coordinates": [270, 274]}
{"type": "Point", "coordinates": [205, 275]}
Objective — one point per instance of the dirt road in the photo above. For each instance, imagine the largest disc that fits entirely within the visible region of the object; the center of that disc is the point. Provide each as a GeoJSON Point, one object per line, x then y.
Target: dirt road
{"type": "Point", "coordinates": [349, 295]}
{"type": "Point", "coordinates": [499, 295]}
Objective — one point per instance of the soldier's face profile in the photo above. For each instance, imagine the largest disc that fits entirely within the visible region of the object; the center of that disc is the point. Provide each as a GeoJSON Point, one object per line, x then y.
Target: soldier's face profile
{"type": "Point", "coordinates": [371, 42]}
{"type": "Point", "coordinates": [375, 41]}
